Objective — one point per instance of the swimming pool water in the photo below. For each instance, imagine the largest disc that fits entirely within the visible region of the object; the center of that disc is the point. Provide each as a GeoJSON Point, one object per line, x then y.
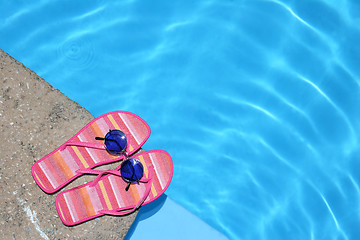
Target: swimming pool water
{"type": "Point", "coordinates": [257, 101]}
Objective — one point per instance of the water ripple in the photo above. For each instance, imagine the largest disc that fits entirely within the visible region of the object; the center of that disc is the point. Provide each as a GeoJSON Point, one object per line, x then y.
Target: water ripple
{"type": "Point", "coordinates": [333, 45]}
{"type": "Point", "coordinates": [88, 14]}
{"type": "Point", "coordinates": [77, 54]}
{"type": "Point", "coordinates": [294, 14]}
{"type": "Point", "coordinates": [175, 25]}
{"type": "Point", "coordinates": [278, 156]}
{"type": "Point", "coordinates": [21, 13]}
{"type": "Point", "coordinates": [287, 102]}
{"type": "Point", "coordinates": [356, 186]}
{"type": "Point", "coordinates": [240, 102]}
{"type": "Point", "coordinates": [330, 210]}
{"type": "Point", "coordinates": [341, 113]}
{"type": "Point", "coordinates": [289, 125]}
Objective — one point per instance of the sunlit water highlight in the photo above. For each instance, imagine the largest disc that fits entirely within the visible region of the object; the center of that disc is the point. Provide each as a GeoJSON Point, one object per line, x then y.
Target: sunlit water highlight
{"type": "Point", "coordinates": [257, 101]}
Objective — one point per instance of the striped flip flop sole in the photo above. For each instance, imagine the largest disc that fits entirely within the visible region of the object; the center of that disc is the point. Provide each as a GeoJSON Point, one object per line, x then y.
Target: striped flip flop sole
{"type": "Point", "coordinates": [58, 168]}
{"type": "Point", "coordinates": [86, 202]}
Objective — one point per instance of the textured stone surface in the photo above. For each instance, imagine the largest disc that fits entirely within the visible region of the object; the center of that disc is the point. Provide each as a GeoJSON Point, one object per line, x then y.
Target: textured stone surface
{"type": "Point", "coordinates": [35, 119]}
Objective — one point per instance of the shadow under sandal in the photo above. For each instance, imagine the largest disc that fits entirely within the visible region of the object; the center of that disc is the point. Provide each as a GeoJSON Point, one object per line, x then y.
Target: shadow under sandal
{"type": "Point", "coordinates": [139, 180]}
{"type": "Point", "coordinates": [109, 138]}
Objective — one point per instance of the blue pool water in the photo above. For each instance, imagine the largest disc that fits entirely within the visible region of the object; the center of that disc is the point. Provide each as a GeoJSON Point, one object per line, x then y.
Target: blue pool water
{"type": "Point", "coordinates": [257, 101]}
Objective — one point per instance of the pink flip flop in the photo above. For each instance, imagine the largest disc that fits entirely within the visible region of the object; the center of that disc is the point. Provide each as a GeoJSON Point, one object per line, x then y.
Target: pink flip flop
{"type": "Point", "coordinates": [115, 193]}
{"type": "Point", "coordinates": [92, 146]}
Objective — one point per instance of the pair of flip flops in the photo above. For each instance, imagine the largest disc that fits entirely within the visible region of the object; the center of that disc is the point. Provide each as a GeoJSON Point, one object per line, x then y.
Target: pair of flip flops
{"type": "Point", "coordinates": [112, 137]}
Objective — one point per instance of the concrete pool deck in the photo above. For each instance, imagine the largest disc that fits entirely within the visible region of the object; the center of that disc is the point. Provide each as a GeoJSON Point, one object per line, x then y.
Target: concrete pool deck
{"type": "Point", "coordinates": [35, 118]}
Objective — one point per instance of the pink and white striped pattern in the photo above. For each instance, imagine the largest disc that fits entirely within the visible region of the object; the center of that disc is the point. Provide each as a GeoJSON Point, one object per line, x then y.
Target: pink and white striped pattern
{"type": "Point", "coordinates": [83, 203]}
{"type": "Point", "coordinates": [58, 168]}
